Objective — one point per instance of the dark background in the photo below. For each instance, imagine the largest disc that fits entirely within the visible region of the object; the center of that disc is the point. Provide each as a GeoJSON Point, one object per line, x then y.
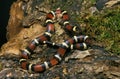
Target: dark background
{"type": "Point", "coordinates": [4, 16]}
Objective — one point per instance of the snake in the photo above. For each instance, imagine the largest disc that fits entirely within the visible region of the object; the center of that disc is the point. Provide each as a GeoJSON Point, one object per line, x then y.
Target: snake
{"type": "Point", "coordinates": [79, 42]}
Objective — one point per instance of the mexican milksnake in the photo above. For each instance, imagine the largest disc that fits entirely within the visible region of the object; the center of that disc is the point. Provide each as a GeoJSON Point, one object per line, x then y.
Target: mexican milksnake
{"type": "Point", "coordinates": [76, 42]}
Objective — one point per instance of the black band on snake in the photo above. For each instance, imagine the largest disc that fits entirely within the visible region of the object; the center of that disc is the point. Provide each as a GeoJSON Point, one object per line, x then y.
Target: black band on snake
{"type": "Point", "coordinates": [76, 42]}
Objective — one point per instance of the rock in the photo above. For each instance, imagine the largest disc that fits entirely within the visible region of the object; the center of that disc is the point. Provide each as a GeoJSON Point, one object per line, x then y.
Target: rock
{"type": "Point", "coordinates": [21, 40]}
{"type": "Point", "coordinates": [15, 21]}
{"type": "Point", "coordinates": [27, 22]}
{"type": "Point", "coordinates": [78, 55]}
{"type": "Point", "coordinates": [116, 73]}
{"type": "Point", "coordinates": [100, 4]}
{"type": "Point", "coordinates": [6, 73]}
{"type": "Point", "coordinates": [112, 3]}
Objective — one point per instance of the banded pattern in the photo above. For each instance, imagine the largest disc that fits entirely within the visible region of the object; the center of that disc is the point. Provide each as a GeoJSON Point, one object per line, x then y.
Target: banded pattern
{"type": "Point", "coordinates": [76, 42]}
{"type": "Point", "coordinates": [67, 26]}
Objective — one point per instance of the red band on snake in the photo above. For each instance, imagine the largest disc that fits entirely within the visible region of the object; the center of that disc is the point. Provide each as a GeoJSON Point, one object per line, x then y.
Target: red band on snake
{"type": "Point", "coordinates": [77, 42]}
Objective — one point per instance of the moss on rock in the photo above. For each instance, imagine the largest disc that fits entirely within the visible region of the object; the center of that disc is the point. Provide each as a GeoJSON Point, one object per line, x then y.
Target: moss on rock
{"type": "Point", "coordinates": [104, 26]}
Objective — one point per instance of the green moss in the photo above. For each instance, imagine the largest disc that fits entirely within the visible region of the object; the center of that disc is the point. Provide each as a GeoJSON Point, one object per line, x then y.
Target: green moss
{"type": "Point", "coordinates": [93, 1]}
{"type": "Point", "coordinates": [105, 27]}
{"type": "Point", "coordinates": [0, 66]}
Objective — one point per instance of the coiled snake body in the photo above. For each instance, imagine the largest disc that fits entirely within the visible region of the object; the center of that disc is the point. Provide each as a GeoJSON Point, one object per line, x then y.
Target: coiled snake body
{"type": "Point", "coordinates": [76, 42]}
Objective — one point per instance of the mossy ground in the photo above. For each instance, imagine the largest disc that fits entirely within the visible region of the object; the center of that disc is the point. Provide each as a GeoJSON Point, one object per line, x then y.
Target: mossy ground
{"type": "Point", "coordinates": [104, 26]}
